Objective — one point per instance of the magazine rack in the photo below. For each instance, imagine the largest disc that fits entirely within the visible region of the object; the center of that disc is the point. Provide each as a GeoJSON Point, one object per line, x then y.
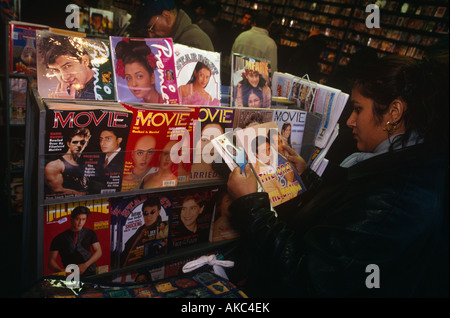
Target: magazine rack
{"type": "Point", "coordinates": [34, 229]}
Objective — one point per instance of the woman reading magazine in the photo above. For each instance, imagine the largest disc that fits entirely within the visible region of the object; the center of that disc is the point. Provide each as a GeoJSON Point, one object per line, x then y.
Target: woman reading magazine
{"type": "Point", "coordinates": [382, 218]}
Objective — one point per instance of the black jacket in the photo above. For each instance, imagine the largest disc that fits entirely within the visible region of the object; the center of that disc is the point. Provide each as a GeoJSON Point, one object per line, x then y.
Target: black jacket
{"type": "Point", "coordinates": [390, 210]}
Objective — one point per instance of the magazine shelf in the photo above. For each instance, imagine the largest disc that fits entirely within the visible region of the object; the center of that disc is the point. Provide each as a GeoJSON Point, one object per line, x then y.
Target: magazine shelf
{"type": "Point", "coordinates": [406, 27]}
{"type": "Point", "coordinates": [36, 220]}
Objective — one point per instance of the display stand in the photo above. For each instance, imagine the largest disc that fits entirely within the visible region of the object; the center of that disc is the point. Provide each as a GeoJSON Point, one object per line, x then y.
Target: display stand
{"type": "Point", "coordinates": [34, 233]}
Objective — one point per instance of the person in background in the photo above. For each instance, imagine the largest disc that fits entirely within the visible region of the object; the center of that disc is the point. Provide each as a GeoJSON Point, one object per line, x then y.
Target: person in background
{"type": "Point", "coordinates": [162, 19]}
{"type": "Point", "coordinates": [256, 42]}
{"type": "Point", "coordinates": [208, 13]}
{"type": "Point", "coordinates": [379, 228]}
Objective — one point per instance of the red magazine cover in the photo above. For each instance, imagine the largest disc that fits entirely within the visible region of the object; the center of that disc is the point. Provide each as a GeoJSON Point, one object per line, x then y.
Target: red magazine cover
{"type": "Point", "coordinates": [77, 233]}
{"type": "Point", "coordinates": [155, 147]}
{"type": "Point", "coordinates": [84, 148]}
{"type": "Point", "coordinates": [145, 70]}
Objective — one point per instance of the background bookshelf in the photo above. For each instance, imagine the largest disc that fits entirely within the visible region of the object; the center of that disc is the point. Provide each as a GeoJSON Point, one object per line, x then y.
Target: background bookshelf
{"type": "Point", "coordinates": [406, 27]}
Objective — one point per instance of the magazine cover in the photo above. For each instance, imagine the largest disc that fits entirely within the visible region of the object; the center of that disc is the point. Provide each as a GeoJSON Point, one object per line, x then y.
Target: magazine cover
{"type": "Point", "coordinates": [212, 122]}
{"type": "Point", "coordinates": [22, 47]}
{"type": "Point", "coordinates": [244, 117]}
{"type": "Point", "coordinates": [328, 105]}
{"type": "Point", "coordinates": [145, 70]}
{"type": "Point", "coordinates": [143, 227]}
{"type": "Point", "coordinates": [84, 148]}
{"type": "Point", "coordinates": [18, 100]}
{"type": "Point", "coordinates": [312, 124]}
{"type": "Point", "coordinates": [282, 84]}
{"type": "Point", "coordinates": [198, 76]}
{"type": "Point", "coordinates": [101, 22]}
{"type": "Point", "coordinates": [191, 216]}
{"type": "Point", "coordinates": [77, 233]}
{"type": "Point", "coordinates": [221, 226]}
{"type": "Point", "coordinates": [291, 124]}
{"type": "Point", "coordinates": [71, 67]}
{"type": "Point", "coordinates": [155, 151]}
{"type": "Point", "coordinates": [250, 84]}
{"type": "Point", "coordinates": [274, 172]}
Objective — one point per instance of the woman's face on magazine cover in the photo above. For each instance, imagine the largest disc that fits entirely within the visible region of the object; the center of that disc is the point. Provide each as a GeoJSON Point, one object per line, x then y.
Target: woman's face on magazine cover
{"type": "Point", "coordinates": [254, 101]}
{"type": "Point", "coordinates": [287, 131]}
{"type": "Point", "coordinates": [190, 212]}
{"type": "Point", "coordinates": [253, 79]}
{"type": "Point", "coordinates": [143, 152]}
{"type": "Point", "coordinates": [209, 132]}
{"type": "Point", "coordinates": [139, 80]}
{"type": "Point", "coordinates": [202, 76]}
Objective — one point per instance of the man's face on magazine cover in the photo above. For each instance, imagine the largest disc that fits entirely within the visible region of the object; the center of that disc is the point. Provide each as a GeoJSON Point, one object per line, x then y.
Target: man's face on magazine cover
{"type": "Point", "coordinates": [150, 214]}
{"type": "Point", "coordinates": [71, 71]}
{"type": "Point", "coordinates": [78, 222]}
{"type": "Point", "coordinates": [77, 144]}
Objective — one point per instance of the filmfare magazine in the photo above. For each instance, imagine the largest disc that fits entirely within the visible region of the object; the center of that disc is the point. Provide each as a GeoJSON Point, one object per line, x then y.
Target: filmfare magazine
{"type": "Point", "coordinates": [212, 122]}
{"type": "Point", "coordinates": [274, 172]}
{"type": "Point", "coordinates": [142, 227]}
{"type": "Point", "coordinates": [70, 67]}
{"type": "Point", "coordinates": [67, 242]}
{"type": "Point", "coordinates": [145, 70]}
{"type": "Point", "coordinates": [198, 76]}
{"type": "Point", "coordinates": [191, 216]}
{"type": "Point", "coordinates": [84, 148]}
{"type": "Point", "coordinates": [250, 76]}
{"type": "Point", "coordinates": [157, 136]}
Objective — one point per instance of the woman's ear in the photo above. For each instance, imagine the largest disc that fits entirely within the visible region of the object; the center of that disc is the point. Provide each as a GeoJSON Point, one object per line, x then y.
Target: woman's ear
{"type": "Point", "coordinates": [396, 110]}
{"type": "Point", "coordinates": [152, 78]}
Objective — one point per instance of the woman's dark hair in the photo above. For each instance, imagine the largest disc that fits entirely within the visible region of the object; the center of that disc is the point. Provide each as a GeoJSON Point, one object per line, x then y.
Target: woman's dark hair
{"type": "Point", "coordinates": [134, 52]}
{"type": "Point", "coordinates": [283, 128]}
{"type": "Point", "coordinates": [197, 68]}
{"type": "Point", "coordinates": [423, 87]}
{"type": "Point", "coordinates": [247, 90]}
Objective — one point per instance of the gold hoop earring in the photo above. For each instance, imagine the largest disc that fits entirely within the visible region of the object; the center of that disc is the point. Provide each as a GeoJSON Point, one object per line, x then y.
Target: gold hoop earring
{"type": "Point", "coordinates": [390, 127]}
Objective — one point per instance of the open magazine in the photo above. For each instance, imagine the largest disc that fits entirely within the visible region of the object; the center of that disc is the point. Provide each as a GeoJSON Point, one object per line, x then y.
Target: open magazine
{"type": "Point", "coordinates": [260, 146]}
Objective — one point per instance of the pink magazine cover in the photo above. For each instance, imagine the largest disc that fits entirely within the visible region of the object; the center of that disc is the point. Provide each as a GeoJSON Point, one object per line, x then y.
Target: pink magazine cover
{"type": "Point", "coordinates": [145, 70]}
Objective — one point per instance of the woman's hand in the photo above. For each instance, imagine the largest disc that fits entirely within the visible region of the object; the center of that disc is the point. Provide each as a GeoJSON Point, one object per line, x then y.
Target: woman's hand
{"type": "Point", "coordinates": [240, 184]}
{"type": "Point", "coordinates": [294, 158]}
